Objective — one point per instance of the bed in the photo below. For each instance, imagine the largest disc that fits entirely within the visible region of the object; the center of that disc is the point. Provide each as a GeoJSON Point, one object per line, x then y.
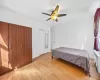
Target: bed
{"type": "Point", "coordinates": [75, 56]}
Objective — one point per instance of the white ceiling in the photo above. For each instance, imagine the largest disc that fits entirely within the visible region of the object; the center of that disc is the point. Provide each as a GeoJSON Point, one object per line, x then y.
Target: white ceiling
{"type": "Point", "coordinates": [34, 8]}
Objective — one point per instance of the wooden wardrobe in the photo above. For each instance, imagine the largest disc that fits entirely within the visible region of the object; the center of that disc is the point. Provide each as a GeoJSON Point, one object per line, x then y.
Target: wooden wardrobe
{"type": "Point", "coordinates": [15, 46]}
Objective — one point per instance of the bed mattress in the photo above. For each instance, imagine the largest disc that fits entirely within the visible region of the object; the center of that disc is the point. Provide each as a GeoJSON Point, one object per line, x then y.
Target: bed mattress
{"type": "Point", "coordinates": [75, 56]}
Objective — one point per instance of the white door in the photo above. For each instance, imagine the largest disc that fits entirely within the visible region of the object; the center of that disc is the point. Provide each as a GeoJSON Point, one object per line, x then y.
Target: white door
{"type": "Point", "coordinates": [41, 42]}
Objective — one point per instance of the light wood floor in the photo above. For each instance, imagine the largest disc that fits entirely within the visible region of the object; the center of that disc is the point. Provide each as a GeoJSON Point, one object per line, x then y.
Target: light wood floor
{"type": "Point", "coordinates": [44, 68]}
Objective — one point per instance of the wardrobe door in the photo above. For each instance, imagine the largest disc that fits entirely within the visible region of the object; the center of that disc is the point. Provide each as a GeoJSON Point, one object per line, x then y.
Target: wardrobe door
{"type": "Point", "coordinates": [13, 45]}
{"type": "Point", "coordinates": [28, 45]}
{"type": "Point", "coordinates": [21, 47]}
{"type": "Point", "coordinates": [4, 49]}
{"type": "Point", "coordinates": [17, 49]}
{"type": "Point", "coordinates": [24, 45]}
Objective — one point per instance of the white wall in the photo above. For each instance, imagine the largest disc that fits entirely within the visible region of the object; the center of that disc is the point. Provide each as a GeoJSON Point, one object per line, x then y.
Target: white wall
{"type": "Point", "coordinates": [35, 38]}
{"type": "Point", "coordinates": [12, 17]}
{"type": "Point", "coordinates": [75, 31]}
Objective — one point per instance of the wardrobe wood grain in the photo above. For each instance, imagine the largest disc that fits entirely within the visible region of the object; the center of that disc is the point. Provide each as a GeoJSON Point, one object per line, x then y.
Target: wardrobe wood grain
{"type": "Point", "coordinates": [15, 46]}
{"type": "Point", "coordinates": [4, 53]}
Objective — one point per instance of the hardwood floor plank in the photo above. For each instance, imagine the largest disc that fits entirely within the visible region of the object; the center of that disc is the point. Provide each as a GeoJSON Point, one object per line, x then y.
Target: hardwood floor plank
{"type": "Point", "coordinates": [46, 68]}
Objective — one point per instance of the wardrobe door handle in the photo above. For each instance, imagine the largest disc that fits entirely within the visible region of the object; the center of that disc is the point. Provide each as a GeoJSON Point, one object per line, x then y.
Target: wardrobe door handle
{"type": "Point", "coordinates": [9, 46]}
{"type": "Point", "coordinates": [21, 45]}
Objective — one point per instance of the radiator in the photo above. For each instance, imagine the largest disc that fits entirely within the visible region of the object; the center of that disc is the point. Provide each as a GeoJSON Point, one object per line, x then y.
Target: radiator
{"type": "Point", "coordinates": [97, 60]}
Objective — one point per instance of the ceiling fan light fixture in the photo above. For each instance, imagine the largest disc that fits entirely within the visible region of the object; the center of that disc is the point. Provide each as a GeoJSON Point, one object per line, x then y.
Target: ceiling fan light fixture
{"type": "Point", "coordinates": [53, 17]}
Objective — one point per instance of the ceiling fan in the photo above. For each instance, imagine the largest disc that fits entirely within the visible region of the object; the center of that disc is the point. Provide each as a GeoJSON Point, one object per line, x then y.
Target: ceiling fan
{"type": "Point", "coordinates": [54, 15]}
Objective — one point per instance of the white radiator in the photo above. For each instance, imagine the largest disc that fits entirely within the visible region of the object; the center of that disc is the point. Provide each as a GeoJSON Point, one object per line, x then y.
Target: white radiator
{"type": "Point", "coordinates": [97, 60]}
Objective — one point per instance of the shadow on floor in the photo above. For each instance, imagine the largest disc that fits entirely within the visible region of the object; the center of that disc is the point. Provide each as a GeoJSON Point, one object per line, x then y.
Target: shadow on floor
{"type": "Point", "coordinates": [4, 70]}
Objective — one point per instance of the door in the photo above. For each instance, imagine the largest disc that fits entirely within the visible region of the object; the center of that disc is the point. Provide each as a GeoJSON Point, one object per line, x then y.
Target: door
{"type": "Point", "coordinates": [13, 45]}
{"type": "Point", "coordinates": [41, 42]}
{"type": "Point", "coordinates": [16, 45]}
{"type": "Point", "coordinates": [20, 42]}
{"type": "Point", "coordinates": [21, 46]}
{"type": "Point", "coordinates": [28, 44]}
{"type": "Point", "coordinates": [4, 49]}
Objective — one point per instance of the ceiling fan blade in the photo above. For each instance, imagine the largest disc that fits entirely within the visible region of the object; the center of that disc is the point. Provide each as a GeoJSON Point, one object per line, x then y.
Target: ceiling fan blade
{"type": "Point", "coordinates": [61, 15]}
{"type": "Point", "coordinates": [46, 14]}
{"type": "Point", "coordinates": [48, 19]}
